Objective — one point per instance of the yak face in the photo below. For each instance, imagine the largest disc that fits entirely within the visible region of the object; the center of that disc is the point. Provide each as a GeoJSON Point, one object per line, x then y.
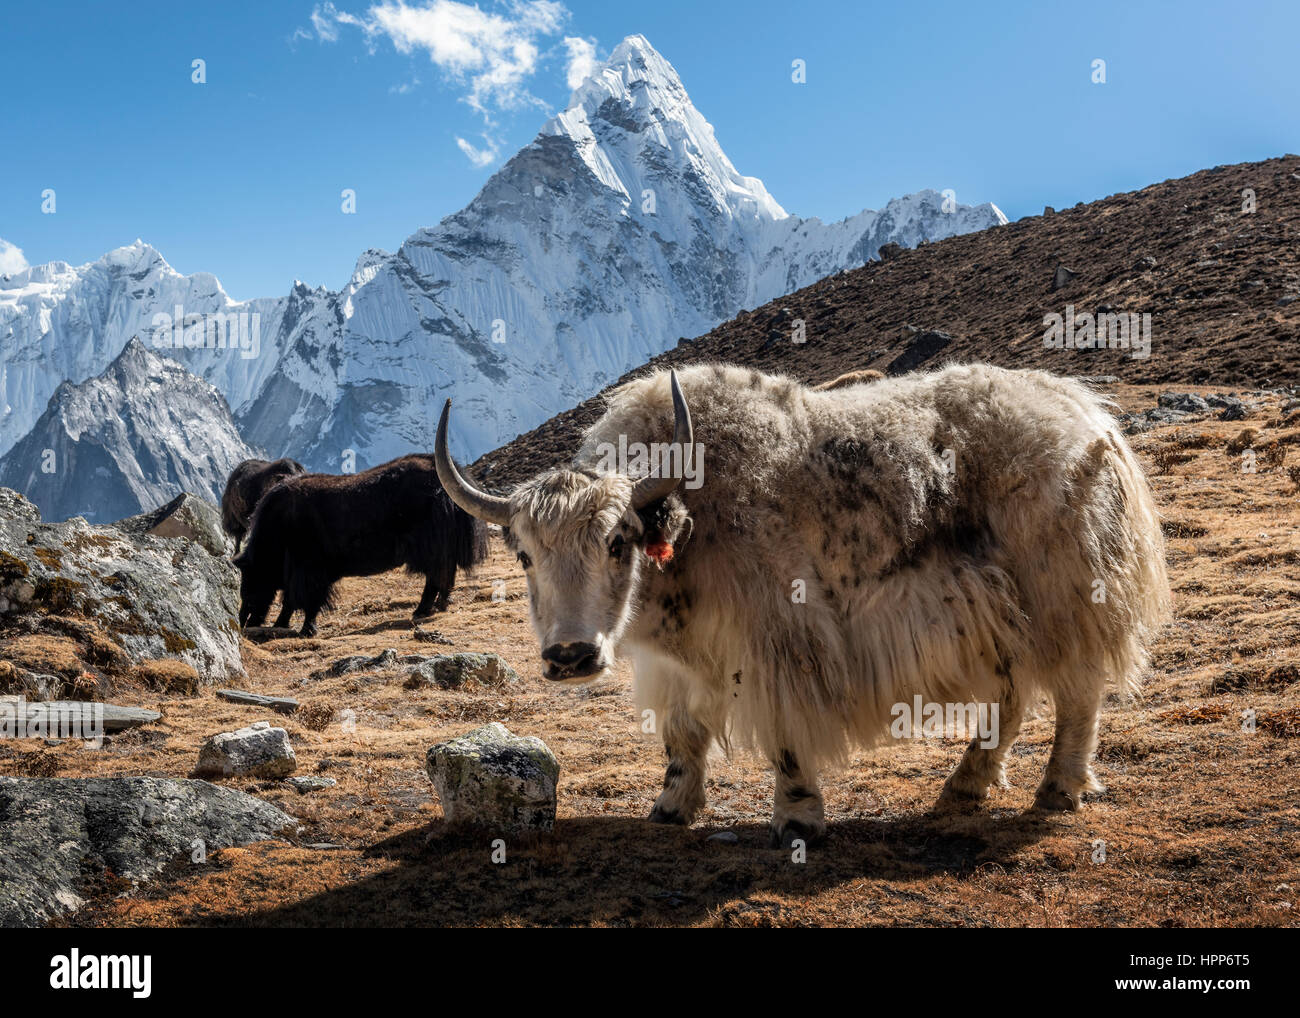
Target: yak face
{"type": "Point", "coordinates": [582, 539]}
{"type": "Point", "coordinates": [581, 549]}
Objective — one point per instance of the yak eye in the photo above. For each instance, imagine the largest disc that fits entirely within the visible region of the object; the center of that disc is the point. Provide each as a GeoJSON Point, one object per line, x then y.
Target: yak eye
{"type": "Point", "coordinates": [524, 560]}
{"type": "Point", "coordinates": [616, 546]}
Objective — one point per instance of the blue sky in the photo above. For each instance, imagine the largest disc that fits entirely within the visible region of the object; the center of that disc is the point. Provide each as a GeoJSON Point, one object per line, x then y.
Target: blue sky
{"type": "Point", "coordinates": [241, 176]}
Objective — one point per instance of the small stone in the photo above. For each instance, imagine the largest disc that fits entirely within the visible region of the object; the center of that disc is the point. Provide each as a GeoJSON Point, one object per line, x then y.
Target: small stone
{"type": "Point", "coordinates": [432, 636]}
{"type": "Point", "coordinates": [1284, 301]}
{"type": "Point", "coordinates": [310, 783]}
{"type": "Point", "coordinates": [493, 779]}
{"type": "Point", "coordinates": [725, 837]}
{"type": "Point", "coordinates": [258, 751]}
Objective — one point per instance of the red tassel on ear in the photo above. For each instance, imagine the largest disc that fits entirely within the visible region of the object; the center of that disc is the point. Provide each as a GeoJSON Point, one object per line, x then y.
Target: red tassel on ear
{"type": "Point", "coordinates": [659, 551]}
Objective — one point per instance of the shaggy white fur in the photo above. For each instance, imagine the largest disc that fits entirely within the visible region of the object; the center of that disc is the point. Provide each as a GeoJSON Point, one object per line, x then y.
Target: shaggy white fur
{"type": "Point", "coordinates": [973, 534]}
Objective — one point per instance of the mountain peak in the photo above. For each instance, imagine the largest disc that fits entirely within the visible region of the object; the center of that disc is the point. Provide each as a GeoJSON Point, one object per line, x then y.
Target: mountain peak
{"type": "Point", "coordinates": [633, 123]}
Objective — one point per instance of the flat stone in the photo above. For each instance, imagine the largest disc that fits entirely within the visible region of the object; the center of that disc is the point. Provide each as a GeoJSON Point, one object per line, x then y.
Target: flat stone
{"type": "Point", "coordinates": [279, 704]}
{"type": "Point", "coordinates": [261, 634]}
{"type": "Point", "coordinates": [68, 719]}
{"type": "Point", "coordinates": [726, 837]}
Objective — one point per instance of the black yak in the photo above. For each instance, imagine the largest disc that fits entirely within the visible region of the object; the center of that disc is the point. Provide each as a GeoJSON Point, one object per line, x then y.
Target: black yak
{"type": "Point", "coordinates": [311, 530]}
{"type": "Point", "coordinates": [247, 484]}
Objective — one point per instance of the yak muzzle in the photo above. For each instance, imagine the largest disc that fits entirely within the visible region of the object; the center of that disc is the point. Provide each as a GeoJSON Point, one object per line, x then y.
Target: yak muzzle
{"type": "Point", "coordinates": [572, 660]}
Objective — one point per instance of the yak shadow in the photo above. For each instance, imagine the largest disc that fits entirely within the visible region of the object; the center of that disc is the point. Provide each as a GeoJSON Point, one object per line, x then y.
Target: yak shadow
{"type": "Point", "coordinates": [626, 871]}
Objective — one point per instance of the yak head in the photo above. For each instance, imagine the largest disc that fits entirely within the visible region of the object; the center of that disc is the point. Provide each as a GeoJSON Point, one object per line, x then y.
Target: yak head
{"type": "Point", "coordinates": [583, 539]}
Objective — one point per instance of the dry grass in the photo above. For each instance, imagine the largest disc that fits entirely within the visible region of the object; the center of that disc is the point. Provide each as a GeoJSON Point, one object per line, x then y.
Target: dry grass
{"type": "Point", "coordinates": [1200, 824]}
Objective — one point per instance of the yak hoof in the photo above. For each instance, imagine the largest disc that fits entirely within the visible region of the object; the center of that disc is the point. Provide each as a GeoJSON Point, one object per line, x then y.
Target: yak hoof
{"type": "Point", "coordinates": [659, 815]}
{"type": "Point", "coordinates": [308, 630]}
{"type": "Point", "coordinates": [792, 831]}
{"type": "Point", "coordinates": [1056, 799]}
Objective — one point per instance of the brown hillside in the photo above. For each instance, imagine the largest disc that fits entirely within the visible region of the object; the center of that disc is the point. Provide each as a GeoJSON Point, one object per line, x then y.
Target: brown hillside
{"type": "Point", "coordinates": [1217, 294]}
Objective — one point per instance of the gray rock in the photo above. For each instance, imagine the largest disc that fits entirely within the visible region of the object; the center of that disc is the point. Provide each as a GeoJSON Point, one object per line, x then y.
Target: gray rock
{"type": "Point", "coordinates": [432, 636]}
{"type": "Point", "coordinates": [449, 671]}
{"type": "Point", "coordinates": [493, 779]}
{"type": "Point", "coordinates": [1062, 277]}
{"type": "Point", "coordinates": [14, 506]}
{"type": "Point", "coordinates": [156, 597]}
{"type": "Point", "coordinates": [1290, 298]}
{"type": "Point", "coordinates": [726, 837]}
{"type": "Point", "coordinates": [385, 660]}
{"type": "Point", "coordinates": [921, 346]}
{"type": "Point", "coordinates": [310, 783]}
{"type": "Point", "coordinates": [1235, 412]}
{"type": "Point", "coordinates": [55, 832]}
{"type": "Point", "coordinates": [185, 516]}
{"type": "Point", "coordinates": [1145, 263]}
{"type": "Point", "coordinates": [1183, 402]}
{"type": "Point", "coordinates": [279, 704]}
{"type": "Point", "coordinates": [258, 751]}
{"type": "Point", "coordinates": [888, 252]}
{"type": "Point", "coordinates": [69, 719]}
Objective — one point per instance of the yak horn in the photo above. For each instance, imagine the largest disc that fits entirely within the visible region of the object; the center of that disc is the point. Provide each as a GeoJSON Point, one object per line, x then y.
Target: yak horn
{"type": "Point", "coordinates": [652, 488]}
{"type": "Point", "coordinates": [490, 508]}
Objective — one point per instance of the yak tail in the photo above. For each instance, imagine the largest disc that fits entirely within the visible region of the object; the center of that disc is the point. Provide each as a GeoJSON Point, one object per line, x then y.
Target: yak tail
{"type": "Point", "coordinates": [470, 538]}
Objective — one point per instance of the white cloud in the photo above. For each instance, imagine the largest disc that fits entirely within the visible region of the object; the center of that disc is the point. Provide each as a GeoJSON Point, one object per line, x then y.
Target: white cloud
{"type": "Point", "coordinates": [491, 54]}
{"type": "Point", "coordinates": [484, 156]}
{"type": "Point", "coordinates": [582, 59]}
{"type": "Point", "coordinates": [11, 258]}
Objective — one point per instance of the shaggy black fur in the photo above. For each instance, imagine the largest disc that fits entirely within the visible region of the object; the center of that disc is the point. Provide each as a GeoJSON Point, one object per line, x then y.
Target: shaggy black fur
{"type": "Point", "coordinates": [310, 531]}
{"type": "Point", "coordinates": [247, 484]}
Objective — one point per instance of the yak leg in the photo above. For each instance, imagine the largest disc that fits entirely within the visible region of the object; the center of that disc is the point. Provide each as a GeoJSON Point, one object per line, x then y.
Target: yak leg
{"type": "Point", "coordinates": [1069, 768]}
{"type": "Point", "coordinates": [285, 617]}
{"type": "Point", "coordinates": [686, 742]}
{"type": "Point", "coordinates": [797, 809]}
{"type": "Point", "coordinates": [982, 766]}
{"type": "Point", "coordinates": [436, 595]}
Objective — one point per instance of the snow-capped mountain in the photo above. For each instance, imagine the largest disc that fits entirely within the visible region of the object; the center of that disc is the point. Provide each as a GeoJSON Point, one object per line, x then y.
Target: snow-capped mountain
{"type": "Point", "coordinates": [126, 441]}
{"type": "Point", "coordinates": [622, 227]}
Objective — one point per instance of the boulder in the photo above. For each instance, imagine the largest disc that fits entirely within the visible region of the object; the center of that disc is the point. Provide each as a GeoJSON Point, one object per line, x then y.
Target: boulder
{"type": "Point", "coordinates": [888, 252]}
{"type": "Point", "coordinates": [156, 597]}
{"type": "Point", "coordinates": [258, 751]}
{"type": "Point", "coordinates": [185, 516]}
{"type": "Point", "coordinates": [495, 780]}
{"type": "Point", "coordinates": [56, 832]}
